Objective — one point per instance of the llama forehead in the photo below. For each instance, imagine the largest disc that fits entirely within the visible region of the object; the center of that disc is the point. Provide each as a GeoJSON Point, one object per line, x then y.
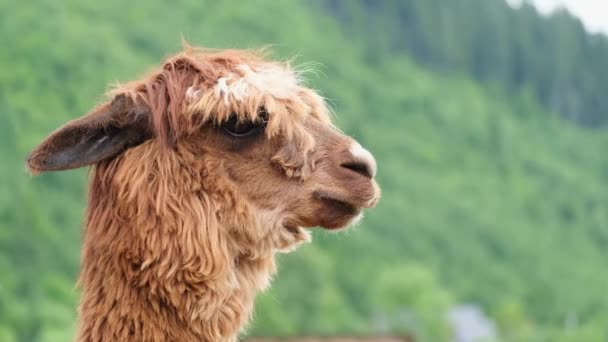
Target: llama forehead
{"type": "Point", "coordinates": [212, 87]}
{"type": "Point", "coordinates": [265, 80]}
{"type": "Point", "coordinates": [246, 88]}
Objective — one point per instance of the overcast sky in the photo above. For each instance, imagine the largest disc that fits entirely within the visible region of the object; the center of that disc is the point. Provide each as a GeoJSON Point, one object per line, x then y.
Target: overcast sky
{"type": "Point", "coordinates": [594, 13]}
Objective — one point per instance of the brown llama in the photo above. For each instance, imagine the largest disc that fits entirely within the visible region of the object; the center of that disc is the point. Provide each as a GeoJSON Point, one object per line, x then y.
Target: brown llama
{"type": "Point", "coordinates": [201, 172]}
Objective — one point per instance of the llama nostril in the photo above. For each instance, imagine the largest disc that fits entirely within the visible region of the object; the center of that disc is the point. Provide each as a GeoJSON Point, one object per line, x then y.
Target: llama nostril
{"type": "Point", "coordinates": [359, 167]}
{"type": "Point", "coordinates": [362, 163]}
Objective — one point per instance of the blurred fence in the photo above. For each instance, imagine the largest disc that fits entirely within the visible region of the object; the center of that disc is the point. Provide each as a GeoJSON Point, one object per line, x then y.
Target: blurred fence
{"type": "Point", "coordinates": [333, 339]}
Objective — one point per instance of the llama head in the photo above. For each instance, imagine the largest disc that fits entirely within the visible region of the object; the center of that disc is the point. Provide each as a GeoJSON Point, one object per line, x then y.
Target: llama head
{"type": "Point", "coordinates": [247, 131]}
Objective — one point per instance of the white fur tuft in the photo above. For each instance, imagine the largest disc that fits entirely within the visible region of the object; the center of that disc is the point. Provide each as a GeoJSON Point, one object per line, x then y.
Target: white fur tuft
{"type": "Point", "coordinates": [278, 82]}
{"type": "Point", "coordinates": [193, 93]}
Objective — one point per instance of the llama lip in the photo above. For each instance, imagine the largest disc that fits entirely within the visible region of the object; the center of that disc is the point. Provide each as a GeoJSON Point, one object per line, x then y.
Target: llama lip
{"type": "Point", "coordinates": [339, 205]}
{"type": "Point", "coordinates": [336, 212]}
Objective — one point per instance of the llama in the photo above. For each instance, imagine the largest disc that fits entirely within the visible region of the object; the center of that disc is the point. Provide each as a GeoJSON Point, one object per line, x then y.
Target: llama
{"type": "Point", "coordinates": [200, 173]}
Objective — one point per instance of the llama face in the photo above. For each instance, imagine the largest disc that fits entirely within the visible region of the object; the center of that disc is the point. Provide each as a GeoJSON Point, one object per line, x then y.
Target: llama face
{"type": "Point", "coordinates": [280, 150]}
{"type": "Point", "coordinates": [326, 186]}
{"type": "Point", "coordinates": [261, 134]}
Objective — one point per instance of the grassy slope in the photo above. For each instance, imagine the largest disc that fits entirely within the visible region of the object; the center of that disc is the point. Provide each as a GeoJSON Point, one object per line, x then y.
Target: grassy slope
{"type": "Point", "coordinates": [486, 199]}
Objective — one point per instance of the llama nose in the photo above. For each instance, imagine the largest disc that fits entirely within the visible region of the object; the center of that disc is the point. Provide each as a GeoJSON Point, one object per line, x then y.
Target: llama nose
{"type": "Point", "coordinates": [362, 161]}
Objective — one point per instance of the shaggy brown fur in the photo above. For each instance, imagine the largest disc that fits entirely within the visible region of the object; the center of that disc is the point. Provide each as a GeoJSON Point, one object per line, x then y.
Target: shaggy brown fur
{"type": "Point", "coordinates": [184, 216]}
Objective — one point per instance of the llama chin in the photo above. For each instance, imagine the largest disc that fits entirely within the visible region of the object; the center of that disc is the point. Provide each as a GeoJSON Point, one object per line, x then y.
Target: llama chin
{"type": "Point", "coordinates": [202, 171]}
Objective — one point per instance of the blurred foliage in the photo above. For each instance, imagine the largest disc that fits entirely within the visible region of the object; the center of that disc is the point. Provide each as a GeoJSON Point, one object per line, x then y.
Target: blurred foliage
{"type": "Point", "coordinates": [564, 65]}
{"type": "Point", "coordinates": [488, 197]}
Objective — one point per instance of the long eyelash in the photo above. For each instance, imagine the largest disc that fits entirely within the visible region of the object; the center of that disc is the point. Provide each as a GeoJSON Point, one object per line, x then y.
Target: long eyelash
{"type": "Point", "coordinates": [252, 128]}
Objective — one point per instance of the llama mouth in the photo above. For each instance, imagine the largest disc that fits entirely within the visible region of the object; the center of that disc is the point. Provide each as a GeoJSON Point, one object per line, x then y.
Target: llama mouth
{"type": "Point", "coordinates": [340, 206]}
{"type": "Point", "coordinates": [335, 212]}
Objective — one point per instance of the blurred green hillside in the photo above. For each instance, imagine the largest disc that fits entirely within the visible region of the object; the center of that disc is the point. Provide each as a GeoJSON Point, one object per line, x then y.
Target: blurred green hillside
{"type": "Point", "coordinates": [489, 41]}
{"type": "Point", "coordinates": [490, 196]}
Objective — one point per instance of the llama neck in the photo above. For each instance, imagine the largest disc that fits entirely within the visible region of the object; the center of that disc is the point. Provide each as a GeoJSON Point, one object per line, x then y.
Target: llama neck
{"type": "Point", "coordinates": [153, 270]}
{"type": "Point", "coordinates": [129, 294]}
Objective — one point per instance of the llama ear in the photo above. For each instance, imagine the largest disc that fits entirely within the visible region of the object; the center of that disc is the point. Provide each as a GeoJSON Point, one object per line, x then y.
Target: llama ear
{"type": "Point", "coordinates": [105, 132]}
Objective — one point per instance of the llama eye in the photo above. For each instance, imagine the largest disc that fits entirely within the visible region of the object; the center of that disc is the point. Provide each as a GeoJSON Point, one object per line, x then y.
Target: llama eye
{"type": "Point", "coordinates": [241, 129]}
